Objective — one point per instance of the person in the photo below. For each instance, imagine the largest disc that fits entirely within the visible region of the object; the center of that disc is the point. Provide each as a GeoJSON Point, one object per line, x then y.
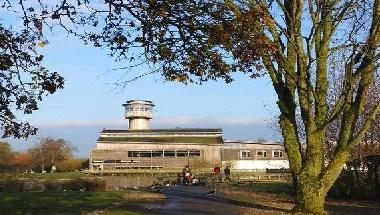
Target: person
{"type": "Point", "coordinates": [227, 173]}
{"type": "Point", "coordinates": [216, 172]}
{"type": "Point", "coordinates": [186, 174]}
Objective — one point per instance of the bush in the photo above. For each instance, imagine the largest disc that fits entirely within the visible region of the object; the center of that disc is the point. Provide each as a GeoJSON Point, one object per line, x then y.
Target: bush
{"type": "Point", "coordinates": [355, 185]}
{"type": "Point", "coordinates": [70, 165]}
{"type": "Point", "coordinates": [84, 184]}
{"type": "Point", "coordinates": [11, 186]}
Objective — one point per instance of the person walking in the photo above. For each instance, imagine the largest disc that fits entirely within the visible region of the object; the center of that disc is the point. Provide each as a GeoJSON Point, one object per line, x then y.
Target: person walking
{"type": "Point", "coordinates": [227, 173]}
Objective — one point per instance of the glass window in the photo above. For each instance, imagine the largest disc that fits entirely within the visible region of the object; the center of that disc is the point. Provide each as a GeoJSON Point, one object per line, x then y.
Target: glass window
{"type": "Point", "coordinates": [144, 154]}
{"type": "Point", "coordinates": [261, 154]}
{"type": "Point", "coordinates": [277, 154]}
{"type": "Point", "coordinates": [157, 153]}
{"type": "Point", "coordinates": [245, 154]}
{"type": "Point", "coordinates": [141, 109]}
{"type": "Point", "coordinates": [112, 161]}
{"type": "Point", "coordinates": [133, 154]}
{"type": "Point", "coordinates": [182, 153]}
{"type": "Point", "coordinates": [169, 153]}
{"type": "Point", "coordinates": [195, 153]}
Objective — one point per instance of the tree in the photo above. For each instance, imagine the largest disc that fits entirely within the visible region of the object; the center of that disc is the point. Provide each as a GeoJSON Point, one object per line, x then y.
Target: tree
{"type": "Point", "coordinates": [6, 155]}
{"type": "Point", "coordinates": [293, 41]}
{"type": "Point", "coordinates": [70, 165]}
{"type": "Point", "coordinates": [49, 151]}
{"type": "Point", "coordinates": [23, 79]}
{"type": "Point", "coordinates": [22, 161]}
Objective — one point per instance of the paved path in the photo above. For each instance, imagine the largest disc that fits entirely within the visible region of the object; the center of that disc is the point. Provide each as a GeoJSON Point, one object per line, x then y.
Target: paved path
{"type": "Point", "coordinates": [183, 200]}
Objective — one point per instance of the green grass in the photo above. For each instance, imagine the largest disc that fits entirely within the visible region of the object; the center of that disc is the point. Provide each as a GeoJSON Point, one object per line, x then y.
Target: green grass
{"type": "Point", "coordinates": [271, 187]}
{"type": "Point", "coordinates": [66, 203]}
{"type": "Point", "coordinates": [241, 198]}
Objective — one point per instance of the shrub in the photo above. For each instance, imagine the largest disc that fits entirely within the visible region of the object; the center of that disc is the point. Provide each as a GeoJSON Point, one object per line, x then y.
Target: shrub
{"type": "Point", "coordinates": [70, 165]}
{"type": "Point", "coordinates": [11, 186]}
{"type": "Point", "coordinates": [86, 184]}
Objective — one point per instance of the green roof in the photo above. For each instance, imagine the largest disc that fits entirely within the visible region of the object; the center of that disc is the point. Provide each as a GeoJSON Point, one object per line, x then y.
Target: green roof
{"type": "Point", "coordinates": [205, 140]}
{"type": "Point", "coordinates": [174, 130]}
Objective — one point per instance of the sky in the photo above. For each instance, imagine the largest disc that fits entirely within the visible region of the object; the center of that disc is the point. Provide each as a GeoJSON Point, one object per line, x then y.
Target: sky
{"type": "Point", "coordinates": [89, 101]}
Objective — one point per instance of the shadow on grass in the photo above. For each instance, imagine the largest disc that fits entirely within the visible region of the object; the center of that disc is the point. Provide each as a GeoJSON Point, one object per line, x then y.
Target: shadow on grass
{"type": "Point", "coordinates": [66, 203]}
{"type": "Point", "coordinates": [242, 202]}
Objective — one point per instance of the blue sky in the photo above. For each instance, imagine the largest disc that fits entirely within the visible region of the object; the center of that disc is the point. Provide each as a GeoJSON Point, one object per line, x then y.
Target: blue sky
{"type": "Point", "coordinates": [89, 102]}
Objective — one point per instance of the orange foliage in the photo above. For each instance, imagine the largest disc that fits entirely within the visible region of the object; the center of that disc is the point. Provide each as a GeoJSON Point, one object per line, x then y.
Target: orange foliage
{"type": "Point", "coordinates": [22, 160]}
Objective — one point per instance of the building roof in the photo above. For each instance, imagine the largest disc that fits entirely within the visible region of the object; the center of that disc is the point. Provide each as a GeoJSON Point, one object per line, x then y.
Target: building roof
{"type": "Point", "coordinates": [173, 130]}
{"type": "Point", "coordinates": [166, 139]}
{"type": "Point", "coordinates": [252, 142]}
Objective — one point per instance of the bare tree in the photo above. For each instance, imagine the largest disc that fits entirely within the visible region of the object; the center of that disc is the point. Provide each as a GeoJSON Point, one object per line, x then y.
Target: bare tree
{"type": "Point", "coordinates": [49, 151]}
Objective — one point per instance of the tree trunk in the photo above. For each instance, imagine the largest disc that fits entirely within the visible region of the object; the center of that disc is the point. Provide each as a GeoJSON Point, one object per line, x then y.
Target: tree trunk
{"type": "Point", "coordinates": [310, 197]}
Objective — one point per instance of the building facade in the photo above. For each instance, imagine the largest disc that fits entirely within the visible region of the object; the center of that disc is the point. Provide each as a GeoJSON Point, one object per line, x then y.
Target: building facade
{"type": "Point", "coordinates": [254, 155]}
{"type": "Point", "coordinates": [141, 147]}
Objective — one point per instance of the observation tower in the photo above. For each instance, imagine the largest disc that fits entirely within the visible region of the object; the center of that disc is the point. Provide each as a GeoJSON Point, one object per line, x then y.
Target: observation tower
{"type": "Point", "coordinates": [138, 112]}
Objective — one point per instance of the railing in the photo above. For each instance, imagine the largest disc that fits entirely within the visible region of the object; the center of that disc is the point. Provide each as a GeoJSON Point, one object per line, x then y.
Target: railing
{"type": "Point", "coordinates": [198, 171]}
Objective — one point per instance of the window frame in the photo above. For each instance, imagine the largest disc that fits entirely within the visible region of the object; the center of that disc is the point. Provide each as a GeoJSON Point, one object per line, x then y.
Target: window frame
{"type": "Point", "coordinates": [264, 154]}
{"type": "Point", "coordinates": [280, 153]}
{"type": "Point", "coordinates": [247, 156]}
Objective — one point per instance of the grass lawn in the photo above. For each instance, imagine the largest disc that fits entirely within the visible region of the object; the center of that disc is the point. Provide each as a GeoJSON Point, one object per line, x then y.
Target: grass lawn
{"type": "Point", "coordinates": [271, 187]}
{"type": "Point", "coordinates": [111, 203]}
{"type": "Point", "coordinates": [278, 198]}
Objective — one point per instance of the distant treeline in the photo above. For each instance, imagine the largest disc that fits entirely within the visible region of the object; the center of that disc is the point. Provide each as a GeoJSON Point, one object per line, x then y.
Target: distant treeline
{"type": "Point", "coordinates": [48, 155]}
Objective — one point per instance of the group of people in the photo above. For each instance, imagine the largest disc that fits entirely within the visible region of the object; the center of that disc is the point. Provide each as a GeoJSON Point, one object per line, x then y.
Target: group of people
{"type": "Point", "coordinates": [218, 176]}
{"type": "Point", "coordinates": [189, 179]}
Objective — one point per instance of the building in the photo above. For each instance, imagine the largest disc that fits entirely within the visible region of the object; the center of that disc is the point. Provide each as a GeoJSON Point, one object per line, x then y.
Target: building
{"type": "Point", "coordinates": [254, 155]}
{"type": "Point", "coordinates": [141, 147]}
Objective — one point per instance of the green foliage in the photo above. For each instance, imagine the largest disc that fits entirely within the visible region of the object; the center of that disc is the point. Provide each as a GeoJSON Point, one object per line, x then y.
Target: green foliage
{"type": "Point", "coordinates": [23, 80]}
{"type": "Point", "coordinates": [11, 185]}
{"type": "Point", "coordinates": [6, 156]}
{"type": "Point", "coordinates": [77, 184]}
{"type": "Point", "coordinates": [56, 175]}
{"type": "Point", "coordinates": [70, 165]}
{"type": "Point", "coordinates": [87, 184]}
{"type": "Point", "coordinates": [356, 185]}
